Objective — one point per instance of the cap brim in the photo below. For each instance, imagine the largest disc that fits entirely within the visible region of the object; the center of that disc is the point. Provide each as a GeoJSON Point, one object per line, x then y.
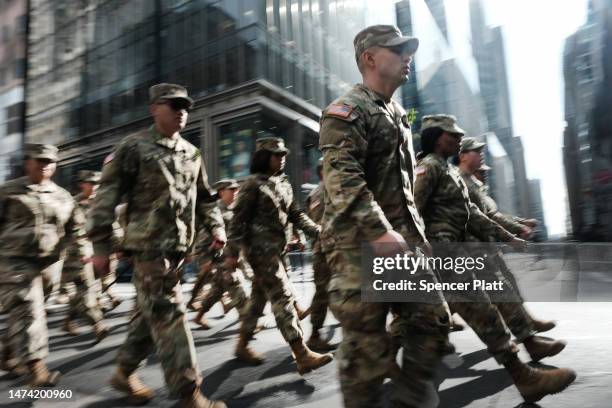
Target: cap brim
{"type": "Point", "coordinates": [185, 98]}
{"type": "Point", "coordinates": [410, 44]}
{"type": "Point", "coordinates": [44, 157]}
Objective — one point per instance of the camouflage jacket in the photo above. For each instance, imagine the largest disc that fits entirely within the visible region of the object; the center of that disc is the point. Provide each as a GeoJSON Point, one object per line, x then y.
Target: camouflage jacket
{"type": "Point", "coordinates": [368, 171]}
{"type": "Point", "coordinates": [443, 198]}
{"type": "Point", "coordinates": [73, 256]}
{"type": "Point", "coordinates": [264, 211]}
{"type": "Point", "coordinates": [39, 221]}
{"type": "Point", "coordinates": [164, 183]}
{"type": "Point", "coordinates": [314, 209]}
{"type": "Point", "coordinates": [487, 205]}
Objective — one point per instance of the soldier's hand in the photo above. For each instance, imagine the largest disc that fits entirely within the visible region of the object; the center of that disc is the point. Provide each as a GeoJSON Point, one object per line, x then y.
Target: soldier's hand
{"type": "Point", "coordinates": [526, 233]}
{"type": "Point", "coordinates": [86, 259]}
{"type": "Point", "coordinates": [389, 243]}
{"type": "Point", "coordinates": [101, 263]}
{"type": "Point", "coordinates": [518, 244]}
{"type": "Point", "coordinates": [531, 223]}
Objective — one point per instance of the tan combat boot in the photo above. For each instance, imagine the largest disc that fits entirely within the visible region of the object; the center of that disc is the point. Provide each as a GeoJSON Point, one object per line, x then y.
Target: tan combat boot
{"type": "Point", "coordinates": [302, 314]}
{"type": "Point", "coordinates": [41, 376]}
{"type": "Point", "coordinates": [11, 365]}
{"type": "Point", "coordinates": [70, 327]}
{"type": "Point", "coordinates": [306, 359]}
{"type": "Point", "coordinates": [201, 321]}
{"type": "Point", "coordinates": [542, 326]}
{"type": "Point", "coordinates": [130, 384]}
{"type": "Point", "coordinates": [101, 331]}
{"type": "Point", "coordinates": [535, 384]}
{"type": "Point", "coordinates": [539, 347]}
{"type": "Point", "coordinates": [195, 399]}
{"type": "Point", "coordinates": [244, 353]}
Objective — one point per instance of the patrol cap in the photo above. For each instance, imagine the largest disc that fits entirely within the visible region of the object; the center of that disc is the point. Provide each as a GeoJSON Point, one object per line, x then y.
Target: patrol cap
{"type": "Point", "coordinates": [89, 176]}
{"type": "Point", "coordinates": [469, 143]}
{"type": "Point", "coordinates": [271, 144]}
{"type": "Point", "coordinates": [161, 92]}
{"type": "Point", "coordinates": [448, 123]}
{"type": "Point", "coordinates": [383, 36]}
{"type": "Point", "coordinates": [483, 167]}
{"type": "Point", "coordinates": [225, 184]}
{"type": "Point", "coordinates": [40, 151]}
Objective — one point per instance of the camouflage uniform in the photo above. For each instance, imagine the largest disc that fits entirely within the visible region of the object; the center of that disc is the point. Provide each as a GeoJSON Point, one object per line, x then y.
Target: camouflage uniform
{"type": "Point", "coordinates": [368, 173]}
{"type": "Point", "coordinates": [322, 274]}
{"type": "Point", "coordinates": [37, 221]}
{"type": "Point", "coordinates": [226, 279]}
{"type": "Point", "coordinates": [443, 199]}
{"type": "Point", "coordinates": [85, 300]}
{"type": "Point", "coordinates": [264, 209]}
{"type": "Point", "coordinates": [164, 184]}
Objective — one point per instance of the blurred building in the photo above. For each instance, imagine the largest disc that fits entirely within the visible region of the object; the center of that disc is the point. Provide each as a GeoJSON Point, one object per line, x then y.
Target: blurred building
{"type": "Point", "coordinates": [13, 24]}
{"type": "Point", "coordinates": [537, 210]}
{"type": "Point", "coordinates": [501, 177]}
{"type": "Point", "coordinates": [255, 68]}
{"type": "Point", "coordinates": [587, 150]}
{"type": "Point", "coordinates": [445, 77]}
{"type": "Point", "coordinates": [490, 55]}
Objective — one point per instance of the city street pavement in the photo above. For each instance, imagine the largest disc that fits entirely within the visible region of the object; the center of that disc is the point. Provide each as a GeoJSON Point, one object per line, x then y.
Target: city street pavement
{"type": "Point", "coordinates": [470, 378]}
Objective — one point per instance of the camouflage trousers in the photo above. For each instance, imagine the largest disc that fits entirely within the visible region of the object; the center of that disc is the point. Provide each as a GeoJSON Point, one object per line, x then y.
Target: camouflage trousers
{"type": "Point", "coordinates": [159, 323]}
{"type": "Point", "coordinates": [271, 283]}
{"type": "Point", "coordinates": [226, 280]}
{"type": "Point", "coordinates": [320, 300]}
{"type": "Point", "coordinates": [204, 276]}
{"type": "Point", "coordinates": [368, 350]}
{"type": "Point", "coordinates": [104, 281]}
{"type": "Point", "coordinates": [21, 294]}
{"type": "Point", "coordinates": [484, 317]}
{"type": "Point", "coordinates": [84, 302]}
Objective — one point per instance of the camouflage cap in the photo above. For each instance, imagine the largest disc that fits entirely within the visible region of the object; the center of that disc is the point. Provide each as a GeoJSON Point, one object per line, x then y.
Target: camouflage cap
{"type": "Point", "coordinates": [383, 36]}
{"type": "Point", "coordinates": [483, 167]}
{"type": "Point", "coordinates": [164, 91]}
{"type": "Point", "coordinates": [40, 151]}
{"type": "Point", "coordinates": [469, 143]}
{"type": "Point", "coordinates": [272, 144]}
{"type": "Point", "coordinates": [89, 176]}
{"type": "Point", "coordinates": [448, 123]}
{"type": "Point", "coordinates": [226, 183]}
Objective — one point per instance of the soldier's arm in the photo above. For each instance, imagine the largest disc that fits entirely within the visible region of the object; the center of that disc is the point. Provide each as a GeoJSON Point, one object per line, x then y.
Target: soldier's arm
{"type": "Point", "coordinates": [508, 223]}
{"type": "Point", "coordinates": [483, 227]}
{"type": "Point", "coordinates": [119, 171]}
{"type": "Point", "coordinates": [210, 215]}
{"type": "Point", "coordinates": [243, 213]}
{"type": "Point", "coordinates": [302, 222]}
{"type": "Point", "coordinates": [344, 146]}
{"type": "Point", "coordinates": [427, 176]}
{"type": "Point", "coordinates": [75, 240]}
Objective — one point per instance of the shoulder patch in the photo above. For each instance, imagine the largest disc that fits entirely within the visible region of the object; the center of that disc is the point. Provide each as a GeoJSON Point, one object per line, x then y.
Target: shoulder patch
{"type": "Point", "coordinates": [421, 170]}
{"type": "Point", "coordinates": [340, 110]}
{"type": "Point", "coordinates": [109, 158]}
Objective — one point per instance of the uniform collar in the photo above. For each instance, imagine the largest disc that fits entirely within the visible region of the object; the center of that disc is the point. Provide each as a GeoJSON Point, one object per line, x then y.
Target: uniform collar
{"type": "Point", "coordinates": [174, 143]}
{"type": "Point", "coordinates": [46, 187]}
{"type": "Point", "coordinates": [439, 159]}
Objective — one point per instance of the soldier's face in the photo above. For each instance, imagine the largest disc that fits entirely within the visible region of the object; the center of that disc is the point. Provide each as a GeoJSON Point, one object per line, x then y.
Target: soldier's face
{"type": "Point", "coordinates": [277, 162]}
{"type": "Point", "coordinates": [228, 195]}
{"type": "Point", "coordinates": [88, 189]}
{"type": "Point", "coordinates": [170, 115]}
{"type": "Point", "coordinates": [393, 64]}
{"type": "Point", "coordinates": [39, 170]}
{"type": "Point", "coordinates": [472, 159]}
{"type": "Point", "coordinates": [449, 143]}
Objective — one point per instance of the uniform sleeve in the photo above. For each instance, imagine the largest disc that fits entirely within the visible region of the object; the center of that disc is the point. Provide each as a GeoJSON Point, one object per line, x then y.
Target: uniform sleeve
{"type": "Point", "coordinates": [208, 211]}
{"type": "Point", "coordinates": [483, 227]}
{"type": "Point", "coordinates": [119, 171]}
{"type": "Point", "coordinates": [344, 147]}
{"type": "Point", "coordinates": [427, 176]}
{"type": "Point", "coordinates": [75, 239]}
{"type": "Point", "coordinates": [489, 207]}
{"type": "Point", "coordinates": [302, 222]}
{"type": "Point", "coordinates": [243, 212]}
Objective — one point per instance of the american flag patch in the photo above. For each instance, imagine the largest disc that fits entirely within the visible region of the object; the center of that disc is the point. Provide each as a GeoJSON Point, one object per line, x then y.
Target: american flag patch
{"type": "Point", "coordinates": [109, 158]}
{"type": "Point", "coordinates": [340, 110]}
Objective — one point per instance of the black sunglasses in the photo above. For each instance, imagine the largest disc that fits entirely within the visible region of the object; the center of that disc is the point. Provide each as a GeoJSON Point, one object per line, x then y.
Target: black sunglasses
{"type": "Point", "coordinates": [176, 104]}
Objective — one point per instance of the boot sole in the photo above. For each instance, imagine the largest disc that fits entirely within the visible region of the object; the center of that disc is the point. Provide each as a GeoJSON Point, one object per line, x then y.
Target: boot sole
{"type": "Point", "coordinates": [306, 370]}
{"type": "Point", "coordinates": [552, 352]}
{"type": "Point", "coordinates": [540, 395]}
{"type": "Point", "coordinates": [52, 380]}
